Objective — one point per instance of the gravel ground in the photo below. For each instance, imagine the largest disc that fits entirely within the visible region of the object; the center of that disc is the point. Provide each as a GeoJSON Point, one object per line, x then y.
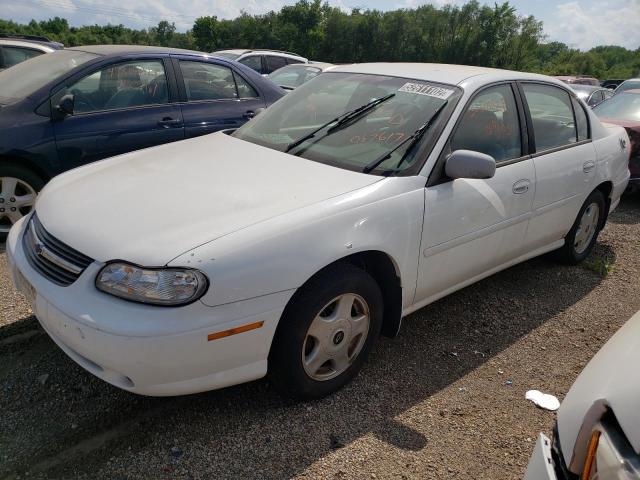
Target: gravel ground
{"type": "Point", "coordinates": [444, 400]}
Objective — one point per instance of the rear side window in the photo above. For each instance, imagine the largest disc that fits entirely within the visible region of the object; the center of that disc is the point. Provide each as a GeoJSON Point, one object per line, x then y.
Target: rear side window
{"type": "Point", "coordinates": [254, 62]}
{"type": "Point", "coordinates": [552, 115]}
{"type": "Point", "coordinates": [207, 81]}
{"type": "Point", "coordinates": [293, 60]}
{"type": "Point", "coordinates": [582, 125]}
{"type": "Point", "coordinates": [490, 125]}
{"type": "Point", "coordinates": [274, 63]}
{"type": "Point", "coordinates": [244, 89]}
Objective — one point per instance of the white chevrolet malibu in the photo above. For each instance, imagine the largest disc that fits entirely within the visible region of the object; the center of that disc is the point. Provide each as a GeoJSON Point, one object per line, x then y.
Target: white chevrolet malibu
{"type": "Point", "coordinates": [286, 247]}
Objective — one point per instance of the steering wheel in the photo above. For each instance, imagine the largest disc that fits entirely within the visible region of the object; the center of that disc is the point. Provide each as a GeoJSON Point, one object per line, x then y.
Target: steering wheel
{"type": "Point", "coordinates": [81, 102]}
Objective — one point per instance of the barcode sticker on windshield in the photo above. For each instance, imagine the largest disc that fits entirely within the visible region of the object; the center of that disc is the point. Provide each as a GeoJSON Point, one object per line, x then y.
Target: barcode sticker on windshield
{"type": "Point", "coordinates": [424, 89]}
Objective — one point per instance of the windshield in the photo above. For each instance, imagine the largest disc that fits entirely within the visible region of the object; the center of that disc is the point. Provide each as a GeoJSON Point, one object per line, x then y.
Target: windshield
{"type": "Point", "coordinates": [366, 137]}
{"type": "Point", "coordinates": [23, 79]}
{"type": "Point", "coordinates": [293, 76]}
{"type": "Point", "coordinates": [229, 55]}
{"type": "Point", "coordinates": [623, 106]}
{"type": "Point", "coordinates": [628, 85]}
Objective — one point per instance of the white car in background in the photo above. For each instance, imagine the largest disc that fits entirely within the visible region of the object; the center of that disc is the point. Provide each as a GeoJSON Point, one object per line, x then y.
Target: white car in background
{"type": "Point", "coordinates": [262, 61]}
{"type": "Point", "coordinates": [287, 246]}
{"type": "Point", "coordinates": [597, 434]}
{"type": "Point", "coordinates": [15, 49]}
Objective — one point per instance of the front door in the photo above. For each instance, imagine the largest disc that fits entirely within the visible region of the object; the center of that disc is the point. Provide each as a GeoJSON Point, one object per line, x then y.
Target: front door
{"type": "Point", "coordinates": [216, 98]}
{"type": "Point", "coordinates": [121, 107]}
{"type": "Point", "coordinates": [474, 226]}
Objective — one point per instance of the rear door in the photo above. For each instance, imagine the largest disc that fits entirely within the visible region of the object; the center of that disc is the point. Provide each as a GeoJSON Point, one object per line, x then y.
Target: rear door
{"type": "Point", "coordinates": [119, 107]}
{"type": "Point", "coordinates": [214, 96]}
{"type": "Point", "coordinates": [563, 156]}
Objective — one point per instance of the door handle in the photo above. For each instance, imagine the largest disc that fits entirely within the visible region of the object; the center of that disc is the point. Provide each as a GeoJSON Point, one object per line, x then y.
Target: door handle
{"type": "Point", "coordinates": [249, 114]}
{"type": "Point", "coordinates": [588, 166]}
{"type": "Point", "coordinates": [521, 186]}
{"type": "Point", "coordinates": [168, 122]}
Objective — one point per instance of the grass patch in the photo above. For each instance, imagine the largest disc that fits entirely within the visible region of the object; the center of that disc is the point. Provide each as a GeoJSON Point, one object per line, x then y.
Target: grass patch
{"type": "Point", "coordinates": [602, 266]}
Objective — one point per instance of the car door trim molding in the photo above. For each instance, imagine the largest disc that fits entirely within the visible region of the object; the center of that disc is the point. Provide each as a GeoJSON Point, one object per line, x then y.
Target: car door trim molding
{"type": "Point", "coordinates": [468, 237]}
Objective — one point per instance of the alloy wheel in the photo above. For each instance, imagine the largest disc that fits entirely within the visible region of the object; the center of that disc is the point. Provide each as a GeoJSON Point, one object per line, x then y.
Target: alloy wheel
{"type": "Point", "coordinates": [16, 200]}
{"type": "Point", "coordinates": [587, 228]}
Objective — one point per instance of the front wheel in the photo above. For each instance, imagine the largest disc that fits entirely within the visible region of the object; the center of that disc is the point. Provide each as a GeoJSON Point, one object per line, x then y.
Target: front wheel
{"type": "Point", "coordinates": [326, 333]}
{"type": "Point", "coordinates": [18, 190]}
{"type": "Point", "coordinates": [583, 234]}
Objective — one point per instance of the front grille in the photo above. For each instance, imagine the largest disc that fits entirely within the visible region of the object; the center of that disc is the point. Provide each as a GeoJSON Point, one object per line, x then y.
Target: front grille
{"type": "Point", "coordinates": [56, 261]}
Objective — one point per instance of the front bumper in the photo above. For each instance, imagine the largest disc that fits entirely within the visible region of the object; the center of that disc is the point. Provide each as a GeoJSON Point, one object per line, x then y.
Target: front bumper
{"type": "Point", "coordinates": [145, 349]}
{"type": "Point", "coordinates": [541, 465]}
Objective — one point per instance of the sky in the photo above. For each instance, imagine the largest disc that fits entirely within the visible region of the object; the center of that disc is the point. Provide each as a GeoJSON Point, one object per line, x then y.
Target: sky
{"type": "Point", "coordinates": [580, 24]}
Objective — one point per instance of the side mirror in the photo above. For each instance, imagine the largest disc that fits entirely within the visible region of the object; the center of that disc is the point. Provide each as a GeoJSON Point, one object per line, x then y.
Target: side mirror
{"type": "Point", "coordinates": [470, 164]}
{"type": "Point", "coordinates": [65, 106]}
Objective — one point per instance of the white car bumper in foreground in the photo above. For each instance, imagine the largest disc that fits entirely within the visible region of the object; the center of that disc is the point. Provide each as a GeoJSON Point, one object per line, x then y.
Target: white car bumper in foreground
{"type": "Point", "coordinates": [145, 349]}
{"type": "Point", "coordinates": [541, 464]}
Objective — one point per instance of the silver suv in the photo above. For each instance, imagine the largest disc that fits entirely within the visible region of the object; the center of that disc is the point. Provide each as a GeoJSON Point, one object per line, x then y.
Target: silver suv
{"type": "Point", "coordinates": [262, 61]}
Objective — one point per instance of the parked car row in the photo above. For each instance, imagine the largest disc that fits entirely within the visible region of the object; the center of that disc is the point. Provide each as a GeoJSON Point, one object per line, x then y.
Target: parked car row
{"type": "Point", "coordinates": [285, 245]}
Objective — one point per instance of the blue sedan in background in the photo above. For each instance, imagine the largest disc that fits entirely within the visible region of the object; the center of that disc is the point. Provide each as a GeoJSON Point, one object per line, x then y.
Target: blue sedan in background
{"type": "Point", "coordinates": [82, 104]}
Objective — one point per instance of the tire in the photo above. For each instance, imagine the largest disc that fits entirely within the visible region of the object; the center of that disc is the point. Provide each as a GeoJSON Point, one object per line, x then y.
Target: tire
{"type": "Point", "coordinates": [578, 246]}
{"type": "Point", "coordinates": [312, 329]}
{"type": "Point", "coordinates": [26, 183]}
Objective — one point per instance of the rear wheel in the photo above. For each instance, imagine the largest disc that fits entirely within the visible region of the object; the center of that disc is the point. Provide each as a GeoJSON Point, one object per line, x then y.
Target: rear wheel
{"type": "Point", "coordinates": [326, 333]}
{"type": "Point", "coordinates": [583, 234]}
{"type": "Point", "coordinates": [18, 189]}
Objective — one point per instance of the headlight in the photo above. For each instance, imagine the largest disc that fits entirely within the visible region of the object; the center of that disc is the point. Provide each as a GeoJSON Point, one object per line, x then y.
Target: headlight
{"type": "Point", "coordinates": [157, 286]}
{"type": "Point", "coordinates": [610, 456]}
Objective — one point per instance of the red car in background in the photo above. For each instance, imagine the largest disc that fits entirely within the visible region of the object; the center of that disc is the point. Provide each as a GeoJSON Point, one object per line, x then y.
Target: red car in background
{"type": "Point", "coordinates": [624, 109]}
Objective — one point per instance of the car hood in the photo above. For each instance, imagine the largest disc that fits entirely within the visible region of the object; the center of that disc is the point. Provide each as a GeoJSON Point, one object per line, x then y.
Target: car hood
{"type": "Point", "coordinates": [150, 206]}
{"type": "Point", "coordinates": [610, 378]}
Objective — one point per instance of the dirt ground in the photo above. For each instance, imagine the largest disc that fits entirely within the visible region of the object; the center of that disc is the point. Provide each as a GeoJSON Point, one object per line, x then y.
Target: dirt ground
{"type": "Point", "coordinates": [443, 400]}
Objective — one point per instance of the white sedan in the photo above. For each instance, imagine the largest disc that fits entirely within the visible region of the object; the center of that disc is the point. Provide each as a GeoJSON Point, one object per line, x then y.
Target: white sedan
{"type": "Point", "coordinates": [286, 247]}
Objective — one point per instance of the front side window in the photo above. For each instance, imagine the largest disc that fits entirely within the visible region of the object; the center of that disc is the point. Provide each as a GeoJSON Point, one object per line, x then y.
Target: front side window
{"type": "Point", "coordinates": [552, 116]}
{"type": "Point", "coordinates": [123, 85]}
{"type": "Point", "coordinates": [14, 55]}
{"type": "Point", "coordinates": [490, 125]}
{"type": "Point", "coordinates": [254, 62]}
{"type": "Point", "coordinates": [206, 81]}
{"type": "Point", "coordinates": [357, 142]}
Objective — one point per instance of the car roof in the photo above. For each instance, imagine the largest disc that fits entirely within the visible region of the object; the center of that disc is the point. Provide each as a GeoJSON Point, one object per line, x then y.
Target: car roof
{"type": "Point", "coordinates": [119, 49]}
{"type": "Point", "coordinates": [27, 44]}
{"type": "Point", "coordinates": [443, 73]}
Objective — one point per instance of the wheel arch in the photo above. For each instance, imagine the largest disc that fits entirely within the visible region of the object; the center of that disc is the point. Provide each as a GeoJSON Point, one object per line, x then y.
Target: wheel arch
{"type": "Point", "coordinates": [23, 162]}
{"type": "Point", "coordinates": [606, 188]}
{"type": "Point", "coordinates": [386, 272]}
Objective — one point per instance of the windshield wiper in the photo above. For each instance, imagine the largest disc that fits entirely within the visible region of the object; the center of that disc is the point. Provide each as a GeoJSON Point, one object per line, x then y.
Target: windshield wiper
{"type": "Point", "coordinates": [340, 120]}
{"type": "Point", "coordinates": [411, 139]}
